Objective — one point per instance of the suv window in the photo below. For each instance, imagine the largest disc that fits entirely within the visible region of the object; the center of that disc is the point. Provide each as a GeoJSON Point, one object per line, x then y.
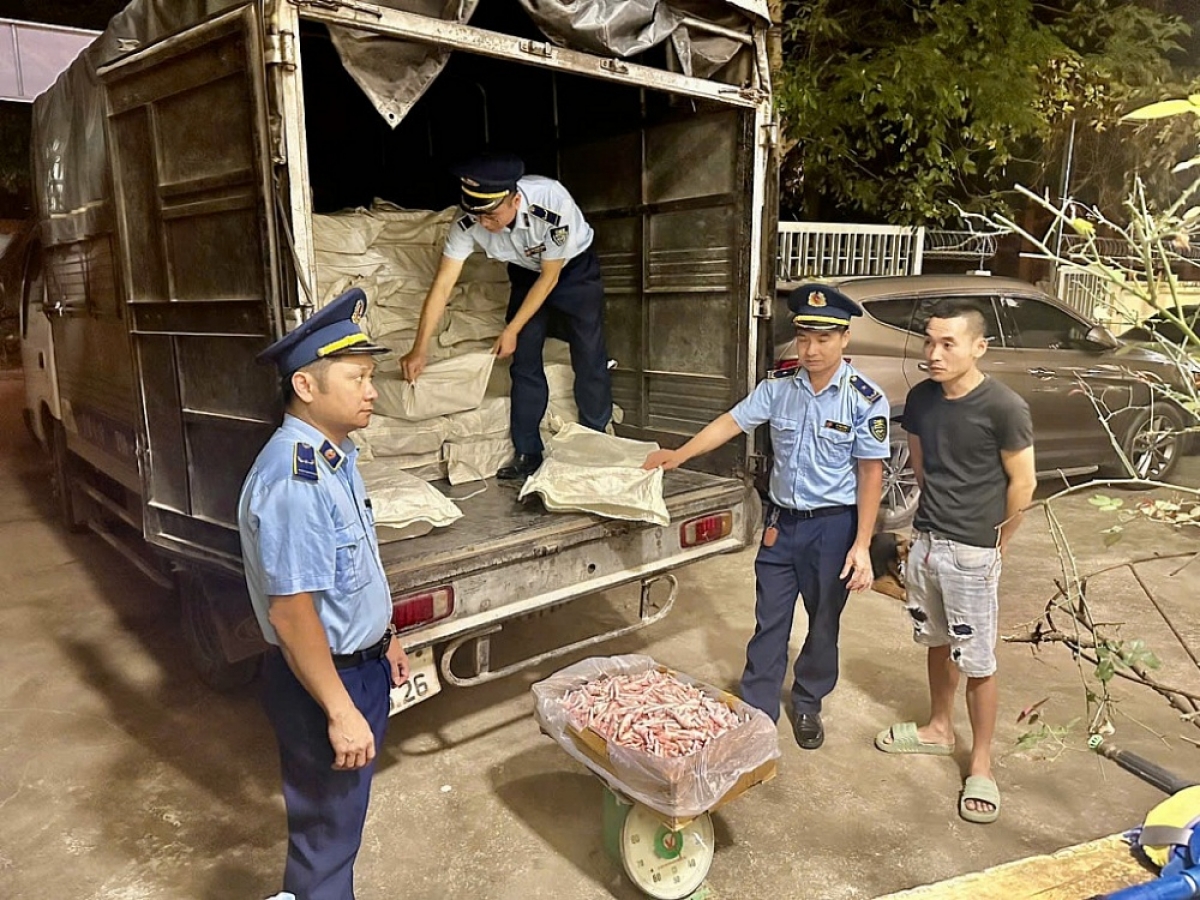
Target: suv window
{"type": "Point", "coordinates": [1032, 324]}
{"type": "Point", "coordinates": [911, 313]}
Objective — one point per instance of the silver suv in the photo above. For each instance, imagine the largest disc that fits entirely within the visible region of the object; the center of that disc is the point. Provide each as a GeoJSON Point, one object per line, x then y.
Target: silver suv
{"type": "Point", "coordinates": [1059, 361]}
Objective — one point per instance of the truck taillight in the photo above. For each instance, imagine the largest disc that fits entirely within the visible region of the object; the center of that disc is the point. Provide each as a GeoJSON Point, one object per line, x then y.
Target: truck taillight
{"type": "Point", "coordinates": [420, 609]}
{"type": "Point", "coordinates": [705, 529]}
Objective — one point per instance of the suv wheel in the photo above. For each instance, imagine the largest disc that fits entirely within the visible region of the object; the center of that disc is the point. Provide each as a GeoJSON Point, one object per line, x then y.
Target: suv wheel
{"type": "Point", "coordinates": [1154, 442]}
{"type": "Point", "coordinates": [900, 491]}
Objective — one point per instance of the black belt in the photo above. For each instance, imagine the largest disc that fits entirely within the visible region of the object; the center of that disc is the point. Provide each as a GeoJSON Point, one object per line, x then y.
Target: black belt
{"type": "Point", "coordinates": [813, 513]}
{"type": "Point", "coordinates": [357, 658]}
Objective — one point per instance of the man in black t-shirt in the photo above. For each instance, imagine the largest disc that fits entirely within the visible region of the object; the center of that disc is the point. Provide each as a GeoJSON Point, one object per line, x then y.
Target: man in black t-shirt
{"type": "Point", "coordinates": [971, 444]}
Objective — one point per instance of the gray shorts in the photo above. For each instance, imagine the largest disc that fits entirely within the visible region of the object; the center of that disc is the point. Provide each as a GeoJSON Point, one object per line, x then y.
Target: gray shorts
{"type": "Point", "coordinates": [952, 596]}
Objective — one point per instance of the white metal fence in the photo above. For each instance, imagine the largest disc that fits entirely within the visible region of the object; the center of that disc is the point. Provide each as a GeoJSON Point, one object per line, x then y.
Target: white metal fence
{"type": "Point", "coordinates": [827, 250]}
{"type": "Point", "coordinates": [1084, 292]}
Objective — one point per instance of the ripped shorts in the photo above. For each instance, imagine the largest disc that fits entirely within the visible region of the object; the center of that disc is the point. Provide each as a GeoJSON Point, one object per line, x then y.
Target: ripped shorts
{"type": "Point", "coordinates": [952, 596]}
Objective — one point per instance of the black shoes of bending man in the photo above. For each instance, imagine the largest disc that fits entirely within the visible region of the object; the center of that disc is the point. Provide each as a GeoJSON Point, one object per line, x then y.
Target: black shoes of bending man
{"type": "Point", "coordinates": [522, 466]}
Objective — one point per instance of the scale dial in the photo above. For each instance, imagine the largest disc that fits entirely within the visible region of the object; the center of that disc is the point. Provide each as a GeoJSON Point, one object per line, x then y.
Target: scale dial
{"type": "Point", "coordinates": [666, 864]}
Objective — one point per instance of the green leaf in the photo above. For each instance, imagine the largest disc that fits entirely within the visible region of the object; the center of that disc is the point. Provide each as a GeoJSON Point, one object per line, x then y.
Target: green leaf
{"type": "Point", "coordinates": [1029, 740]}
{"type": "Point", "coordinates": [1105, 671]}
{"type": "Point", "coordinates": [1100, 500]}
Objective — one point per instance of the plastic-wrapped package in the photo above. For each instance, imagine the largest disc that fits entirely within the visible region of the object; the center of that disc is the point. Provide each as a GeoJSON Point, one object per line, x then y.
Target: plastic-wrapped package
{"type": "Point", "coordinates": [581, 446]}
{"type": "Point", "coordinates": [677, 787]}
{"type": "Point", "coordinates": [482, 296]}
{"type": "Point", "coordinates": [473, 460]}
{"type": "Point", "coordinates": [401, 500]}
{"type": "Point", "coordinates": [350, 231]}
{"type": "Point", "coordinates": [395, 437]}
{"type": "Point", "coordinates": [447, 386]}
{"type": "Point", "coordinates": [560, 379]}
{"type": "Point", "coordinates": [490, 420]}
{"type": "Point", "coordinates": [471, 325]}
{"type": "Point", "coordinates": [599, 473]}
{"type": "Point", "coordinates": [397, 311]}
{"type": "Point", "coordinates": [420, 227]}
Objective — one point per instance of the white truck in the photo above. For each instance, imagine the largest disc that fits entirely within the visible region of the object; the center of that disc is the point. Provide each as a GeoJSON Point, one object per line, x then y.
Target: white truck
{"type": "Point", "coordinates": [178, 165]}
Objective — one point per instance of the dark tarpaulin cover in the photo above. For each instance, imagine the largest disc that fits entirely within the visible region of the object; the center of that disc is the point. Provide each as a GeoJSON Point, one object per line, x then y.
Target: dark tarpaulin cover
{"type": "Point", "coordinates": [69, 151]}
{"type": "Point", "coordinates": [70, 157]}
{"type": "Point", "coordinates": [628, 27]}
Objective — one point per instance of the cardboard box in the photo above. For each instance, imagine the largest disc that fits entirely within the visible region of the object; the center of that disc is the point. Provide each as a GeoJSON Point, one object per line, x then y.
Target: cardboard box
{"type": "Point", "coordinates": [595, 748]}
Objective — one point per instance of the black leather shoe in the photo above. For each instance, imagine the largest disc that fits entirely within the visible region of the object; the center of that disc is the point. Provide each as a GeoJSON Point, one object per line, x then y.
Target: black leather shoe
{"type": "Point", "coordinates": [522, 466]}
{"type": "Point", "coordinates": [809, 732]}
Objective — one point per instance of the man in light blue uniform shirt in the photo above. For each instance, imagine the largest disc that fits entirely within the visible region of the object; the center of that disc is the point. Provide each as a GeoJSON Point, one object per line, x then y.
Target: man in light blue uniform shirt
{"type": "Point", "coordinates": [534, 225]}
{"type": "Point", "coordinates": [322, 600]}
{"type": "Point", "coordinates": [829, 431]}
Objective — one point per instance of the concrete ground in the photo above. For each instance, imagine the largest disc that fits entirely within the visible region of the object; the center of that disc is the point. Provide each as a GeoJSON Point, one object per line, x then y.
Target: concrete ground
{"type": "Point", "coordinates": [122, 777]}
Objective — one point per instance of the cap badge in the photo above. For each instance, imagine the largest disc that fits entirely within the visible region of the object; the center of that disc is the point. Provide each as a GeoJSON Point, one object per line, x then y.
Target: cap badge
{"type": "Point", "coordinates": [360, 307]}
{"type": "Point", "coordinates": [816, 298]}
{"type": "Point", "coordinates": [470, 182]}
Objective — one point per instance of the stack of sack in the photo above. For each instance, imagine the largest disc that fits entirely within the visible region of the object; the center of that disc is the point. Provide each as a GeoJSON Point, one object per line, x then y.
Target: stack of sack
{"type": "Point", "coordinates": [454, 423]}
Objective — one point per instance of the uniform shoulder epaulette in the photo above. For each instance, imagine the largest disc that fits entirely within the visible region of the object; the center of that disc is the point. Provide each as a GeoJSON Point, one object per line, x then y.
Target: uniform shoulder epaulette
{"type": "Point", "coordinates": [546, 215]}
{"type": "Point", "coordinates": [865, 388]}
{"type": "Point", "coordinates": [783, 372]}
{"type": "Point", "coordinates": [304, 462]}
{"type": "Point", "coordinates": [465, 223]}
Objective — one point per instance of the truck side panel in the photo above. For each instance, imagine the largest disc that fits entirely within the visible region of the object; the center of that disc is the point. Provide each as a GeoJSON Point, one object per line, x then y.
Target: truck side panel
{"type": "Point", "coordinates": [671, 241]}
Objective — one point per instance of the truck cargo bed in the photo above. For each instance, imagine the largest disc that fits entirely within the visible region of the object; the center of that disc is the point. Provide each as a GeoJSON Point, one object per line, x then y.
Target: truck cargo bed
{"type": "Point", "coordinates": [496, 528]}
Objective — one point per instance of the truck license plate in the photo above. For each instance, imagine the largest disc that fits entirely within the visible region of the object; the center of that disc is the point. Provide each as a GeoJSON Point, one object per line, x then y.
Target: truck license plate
{"type": "Point", "coordinates": [422, 681]}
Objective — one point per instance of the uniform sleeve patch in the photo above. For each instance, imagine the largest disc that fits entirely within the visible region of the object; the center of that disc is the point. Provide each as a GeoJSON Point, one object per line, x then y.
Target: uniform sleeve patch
{"type": "Point", "coordinates": [879, 427]}
{"type": "Point", "coordinates": [865, 388]}
{"type": "Point", "coordinates": [559, 235]}
{"type": "Point", "coordinates": [304, 462]}
{"type": "Point", "coordinates": [546, 215]}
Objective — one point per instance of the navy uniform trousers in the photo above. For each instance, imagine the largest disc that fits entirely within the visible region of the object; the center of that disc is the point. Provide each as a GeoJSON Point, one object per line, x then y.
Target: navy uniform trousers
{"type": "Point", "coordinates": [577, 307]}
{"type": "Point", "coordinates": [806, 560]}
{"type": "Point", "coordinates": [326, 808]}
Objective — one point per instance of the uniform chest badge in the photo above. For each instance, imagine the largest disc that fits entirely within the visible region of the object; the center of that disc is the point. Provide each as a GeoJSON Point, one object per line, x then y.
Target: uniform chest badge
{"type": "Point", "coordinates": [837, 426]}
{"type": "Point", "coordinates": [536, 251]}
{"type": "Point", "coordinates": [332, 455]}
{"type": "Point", "coordinates": [878, 427]}
{"type": "Point", "coordinates": [559, 235]}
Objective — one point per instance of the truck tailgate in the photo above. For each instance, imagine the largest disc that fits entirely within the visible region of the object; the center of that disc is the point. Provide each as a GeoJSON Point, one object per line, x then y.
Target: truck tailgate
{"type": "Point", "coordinates": [506, 558]}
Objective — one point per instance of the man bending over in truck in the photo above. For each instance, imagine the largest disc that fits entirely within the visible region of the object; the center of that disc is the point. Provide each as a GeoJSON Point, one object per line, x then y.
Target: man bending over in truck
{"type": "Point", "coordinates": [829, 431]}
{"type": "Point", "coordinates": [534, 225]}
{"type": "Point", "coordinates": [322, 600]}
